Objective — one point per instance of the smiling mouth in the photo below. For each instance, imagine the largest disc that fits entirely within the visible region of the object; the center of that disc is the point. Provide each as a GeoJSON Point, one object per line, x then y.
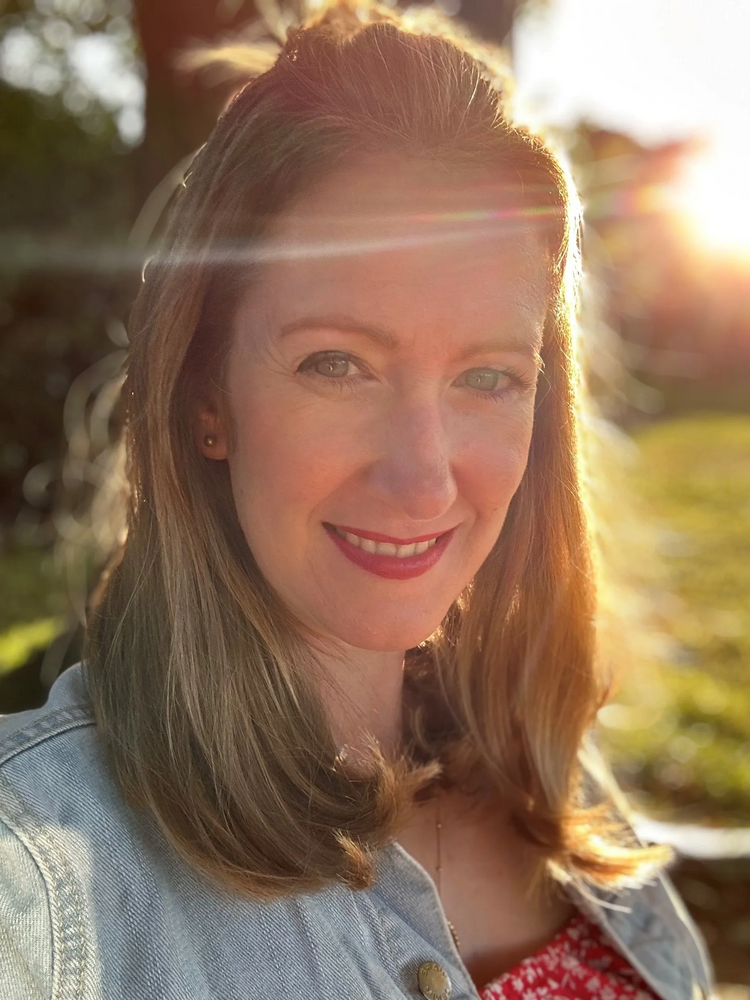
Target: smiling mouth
{"type": "Point", "coordinates": [401, 550]}
{"type": "Point", "coordinates": [393, 559]}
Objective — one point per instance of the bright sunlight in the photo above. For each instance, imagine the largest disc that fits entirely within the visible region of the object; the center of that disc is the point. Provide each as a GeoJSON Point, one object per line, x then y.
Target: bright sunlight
{"type": "Point", "coordinates": [713, 197]}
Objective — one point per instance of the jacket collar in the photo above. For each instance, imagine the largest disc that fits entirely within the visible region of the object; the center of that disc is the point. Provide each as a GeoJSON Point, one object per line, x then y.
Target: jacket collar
{"type": "Point", "coordinates": [652, 929]}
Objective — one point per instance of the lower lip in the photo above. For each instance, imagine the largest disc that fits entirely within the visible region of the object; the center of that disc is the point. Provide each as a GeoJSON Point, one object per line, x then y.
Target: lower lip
{"type": "Point", "coordinates": [391, 567]}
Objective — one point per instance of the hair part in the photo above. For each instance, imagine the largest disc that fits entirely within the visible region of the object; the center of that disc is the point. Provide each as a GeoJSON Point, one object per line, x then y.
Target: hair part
{"type": "Point", "coordinates": [202, 681]}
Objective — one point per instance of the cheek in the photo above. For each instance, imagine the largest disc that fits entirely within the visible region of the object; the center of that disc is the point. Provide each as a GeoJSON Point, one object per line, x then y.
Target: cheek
{"type": "Point", "coordinates": [494, 459]}
{"type": "Point", "coordinates": [287, 456]}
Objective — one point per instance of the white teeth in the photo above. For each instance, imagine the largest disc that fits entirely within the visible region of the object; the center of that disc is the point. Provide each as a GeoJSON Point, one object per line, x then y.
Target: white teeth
{"type": "Point", "coordinates": [402, 551]}
{"type": "Point", "coordinates": [388, 548]}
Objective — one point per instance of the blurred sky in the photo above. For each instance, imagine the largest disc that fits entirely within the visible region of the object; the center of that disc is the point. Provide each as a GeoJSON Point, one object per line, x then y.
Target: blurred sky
{"type": "Point", "coordinates": [658, 70]}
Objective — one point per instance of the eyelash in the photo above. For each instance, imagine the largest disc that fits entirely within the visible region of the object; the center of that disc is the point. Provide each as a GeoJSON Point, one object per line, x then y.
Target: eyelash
{"type": "Point", "coordinates": [520, 382]}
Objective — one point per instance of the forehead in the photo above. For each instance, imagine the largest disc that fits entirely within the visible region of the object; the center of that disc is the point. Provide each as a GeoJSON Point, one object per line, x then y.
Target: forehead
{"type": "Point", "coordinates": [402, 239]}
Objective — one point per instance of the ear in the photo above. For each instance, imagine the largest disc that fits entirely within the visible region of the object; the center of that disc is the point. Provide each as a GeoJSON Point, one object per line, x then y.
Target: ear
{"type": "Point", "coordinates": [211, 437]}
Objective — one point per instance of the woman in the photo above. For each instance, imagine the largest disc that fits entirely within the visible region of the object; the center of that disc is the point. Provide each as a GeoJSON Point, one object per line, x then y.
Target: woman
{"type": "Point", "coordinates": [326, 739]}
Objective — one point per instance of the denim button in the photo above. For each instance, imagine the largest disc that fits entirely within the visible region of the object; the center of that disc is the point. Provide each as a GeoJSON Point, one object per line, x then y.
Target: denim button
{"type": "Point", "coordinates": [433, 981]}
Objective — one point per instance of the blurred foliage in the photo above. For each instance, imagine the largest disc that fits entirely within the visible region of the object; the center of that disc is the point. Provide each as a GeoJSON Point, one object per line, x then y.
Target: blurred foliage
{"type": "Point", "coordinates": [65, 179]}
{"type": "Point", "coordinates": [81, 56]}
{"type": "Point", "coordinates": [38, 635]}
{"type": "Point", "coordinates": [72, 195]}
{"type": "Point", "coordinates": [68, 176]}
{"type": "Point", "coordinates": [35, 629]}
{"type": "Point", "coordinates": [679, 729]}
{"type": "Point", "coordinates": [66, 279]}
{"type": "Point", "coordinates": [680, 397]}
{"type": "Point", "coordinates": [30, 588]}
{"type": "Point", "coordinates": [18, 643]}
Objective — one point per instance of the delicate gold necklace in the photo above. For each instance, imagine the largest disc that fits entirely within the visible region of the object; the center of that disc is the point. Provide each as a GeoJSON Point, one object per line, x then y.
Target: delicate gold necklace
{"type": "Point", "coordinates": [439, 866]}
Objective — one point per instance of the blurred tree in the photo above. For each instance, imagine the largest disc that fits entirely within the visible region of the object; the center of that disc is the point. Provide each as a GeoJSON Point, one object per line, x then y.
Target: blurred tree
{"type": "Point", "coordinates": [181, 108]}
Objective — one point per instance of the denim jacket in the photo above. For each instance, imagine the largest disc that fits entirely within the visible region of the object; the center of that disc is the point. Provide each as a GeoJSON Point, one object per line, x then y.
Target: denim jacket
{"type": "Point", "coordinates": [96, 905]}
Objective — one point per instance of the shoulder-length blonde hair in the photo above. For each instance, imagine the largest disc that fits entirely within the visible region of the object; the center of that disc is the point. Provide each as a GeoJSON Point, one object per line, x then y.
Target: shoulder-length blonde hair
{"type": "Point", "coordinates": [201, 679]}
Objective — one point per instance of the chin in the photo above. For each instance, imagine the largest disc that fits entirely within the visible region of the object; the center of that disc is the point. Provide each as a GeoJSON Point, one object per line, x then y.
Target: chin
{"type": "Point", "coordinates": [386, 636]}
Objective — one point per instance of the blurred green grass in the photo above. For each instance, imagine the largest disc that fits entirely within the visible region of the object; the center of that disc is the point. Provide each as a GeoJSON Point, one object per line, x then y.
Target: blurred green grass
{"type": "Point", "coordinates": [679, 729]}
{"type": "Point", "coordinates": [32, 604]}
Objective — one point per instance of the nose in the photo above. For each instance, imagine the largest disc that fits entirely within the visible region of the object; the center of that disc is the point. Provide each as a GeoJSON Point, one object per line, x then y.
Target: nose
{"type": "Point", "coordinates": [414, 474]}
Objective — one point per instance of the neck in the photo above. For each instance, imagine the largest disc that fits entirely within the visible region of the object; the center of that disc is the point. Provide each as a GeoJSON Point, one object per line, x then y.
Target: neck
{"type": "Point", "coordinates": [362, 693]}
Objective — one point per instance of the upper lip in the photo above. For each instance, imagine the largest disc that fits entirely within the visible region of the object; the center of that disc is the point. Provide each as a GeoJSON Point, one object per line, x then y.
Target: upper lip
{"type": "Point", "coordinates": [377, 536]}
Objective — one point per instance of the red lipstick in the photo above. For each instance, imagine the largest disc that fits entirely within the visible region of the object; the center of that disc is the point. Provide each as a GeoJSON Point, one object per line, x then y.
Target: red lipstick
{"type": "Point", "coordinates": [390, 567]}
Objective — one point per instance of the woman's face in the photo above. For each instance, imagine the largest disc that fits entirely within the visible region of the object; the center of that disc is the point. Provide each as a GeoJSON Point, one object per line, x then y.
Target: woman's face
{"type": "Point", "coordinates": [380, 389]}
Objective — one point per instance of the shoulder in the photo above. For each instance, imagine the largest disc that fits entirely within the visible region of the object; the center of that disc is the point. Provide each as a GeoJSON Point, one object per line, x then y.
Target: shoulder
{"type": "Point", "coordinates": [53, 776]}
{"type": "Point", "coordinates": [59, 813]}
{"type": "Point", "coordinates": [94, 901]}
{"type": "Point", "coordinates": [39, 896]}
{"type": "Point", "coordinates": [653, 930]}
{"type": "Point", "coordinates": [649, 923]}
{"type": "Point", "coordinates": [68, 707]}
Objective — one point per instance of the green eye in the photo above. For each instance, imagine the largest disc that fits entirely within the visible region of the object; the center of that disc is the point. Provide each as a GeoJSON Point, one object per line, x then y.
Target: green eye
{"type": "Point", "coordinates": [483, 379]}
{"type": "Point", "coordinates": [332, 366]}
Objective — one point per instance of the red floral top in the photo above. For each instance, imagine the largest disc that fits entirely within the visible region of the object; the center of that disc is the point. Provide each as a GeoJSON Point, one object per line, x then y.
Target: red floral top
{"type": "Point", "coordinates": [578, 963]}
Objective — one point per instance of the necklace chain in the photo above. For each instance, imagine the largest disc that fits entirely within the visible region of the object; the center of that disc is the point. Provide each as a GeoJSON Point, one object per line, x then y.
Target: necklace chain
{"type": "Point", "coordinates": [439, 859]}
{"type": "Point", "coordinates": [439, 866]}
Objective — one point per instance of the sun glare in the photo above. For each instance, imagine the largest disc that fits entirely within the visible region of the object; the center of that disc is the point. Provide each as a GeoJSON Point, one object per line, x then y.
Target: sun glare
{"type": "Point", "coordinates": [713, 197]}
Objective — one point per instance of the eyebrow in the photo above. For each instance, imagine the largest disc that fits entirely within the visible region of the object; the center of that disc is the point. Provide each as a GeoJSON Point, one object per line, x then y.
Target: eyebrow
{"type": "Point", "coordinates": [386, 339]}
